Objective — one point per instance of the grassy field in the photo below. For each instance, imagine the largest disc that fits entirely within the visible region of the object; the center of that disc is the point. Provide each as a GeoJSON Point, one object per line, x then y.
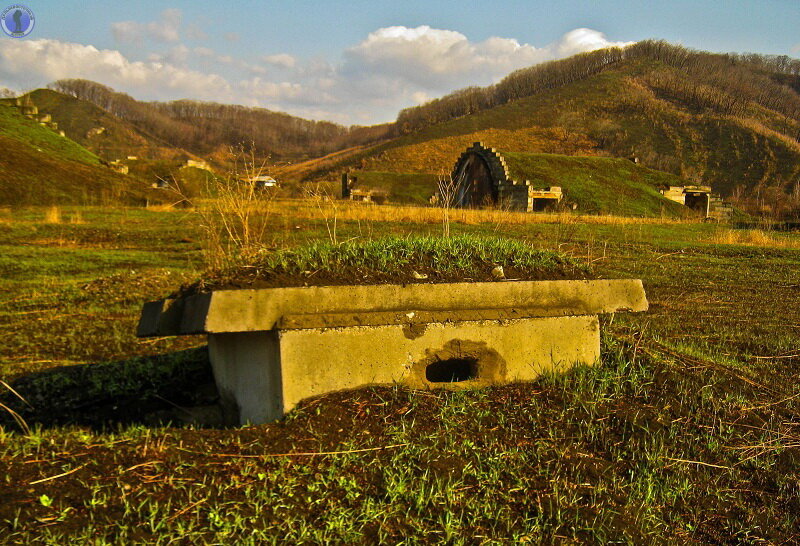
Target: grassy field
{"type": "Point", "coordinates": [687, 431]}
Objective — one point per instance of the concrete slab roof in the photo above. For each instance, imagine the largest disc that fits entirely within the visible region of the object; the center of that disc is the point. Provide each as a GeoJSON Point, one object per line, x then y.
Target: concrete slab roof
{"type": "Point", "coordinates": [333, 306]}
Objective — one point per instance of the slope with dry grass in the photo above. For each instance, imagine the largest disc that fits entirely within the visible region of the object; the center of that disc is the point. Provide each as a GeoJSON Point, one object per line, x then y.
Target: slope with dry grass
{"type": "Point", "coordinates": [39, 167]}
{"type": "Point", "coordinates": [640, 107]}
{"type": "Point", "coordinates": [684, 433]}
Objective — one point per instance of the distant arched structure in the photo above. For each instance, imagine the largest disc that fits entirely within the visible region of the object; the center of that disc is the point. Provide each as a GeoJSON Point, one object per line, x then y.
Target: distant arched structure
{"type": "Point", "coordinates": [477, 176]}
{"type": "Point", "coordinates": [481, 178]}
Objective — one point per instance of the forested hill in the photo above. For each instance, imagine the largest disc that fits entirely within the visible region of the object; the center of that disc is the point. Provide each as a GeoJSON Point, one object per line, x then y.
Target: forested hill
{"type": "Point", "coordinates": [205, 128]}
{"type": "Point", "coordinates": [729, 121]}
{"type": "Point", "coordinates": [722, 83]}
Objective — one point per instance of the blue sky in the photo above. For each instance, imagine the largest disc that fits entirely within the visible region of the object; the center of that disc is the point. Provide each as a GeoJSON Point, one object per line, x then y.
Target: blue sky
{"type": "Point", "coordinates": [356, 61]}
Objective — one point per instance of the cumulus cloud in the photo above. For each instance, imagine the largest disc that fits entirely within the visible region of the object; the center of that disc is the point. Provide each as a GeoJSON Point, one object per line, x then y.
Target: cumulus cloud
{"type": "Point", "coordinates": [392, 68]}
{"type": "Point", "coordinates": [194, 32]}
{"type": "Point", "coordinates": [213, 60]}
{"type": "Point", "coordinates": [282, 60]}
{"type": "Point", "coordinates": [166, 29]}
{"type": "Point", "coordinates": [177, 55]}
{"type": "Point", "coordinates": [435, 59]}
{"type": "Point", "coordinates": [26, 63]}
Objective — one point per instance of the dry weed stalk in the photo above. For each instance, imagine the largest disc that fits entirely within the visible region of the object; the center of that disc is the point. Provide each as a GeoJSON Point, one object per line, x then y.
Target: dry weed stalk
{"type": "Point", "coordinates": [751, 237]}
{"type": "Point", "coordinates": [446, 198]}
{"type": "Point", "coordinates": [17, 417]}
{"type": "Point", "coordinates": [76, 218]}
{"type": "Point", "coordinates": [235, 217]}
{"type": "Point", "coordinates": [328, 207]}
{"type": "Point", "coordinates": [362, 212]}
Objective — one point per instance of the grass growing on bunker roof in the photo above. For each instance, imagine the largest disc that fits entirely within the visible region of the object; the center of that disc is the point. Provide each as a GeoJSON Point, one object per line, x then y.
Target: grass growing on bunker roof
{"type": "Point", "coordinates": [397, 260]}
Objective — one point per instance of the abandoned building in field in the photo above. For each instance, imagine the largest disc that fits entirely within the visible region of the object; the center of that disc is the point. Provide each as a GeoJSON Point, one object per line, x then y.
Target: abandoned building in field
{"type": "Point", "coordinates": [261, 182]}
{"type": "Point", "coordinates": [699, 199]}
{"type": "Point", "coordinates": [484, 177]}
{"type": "Point", "coordinates": [351, 191]}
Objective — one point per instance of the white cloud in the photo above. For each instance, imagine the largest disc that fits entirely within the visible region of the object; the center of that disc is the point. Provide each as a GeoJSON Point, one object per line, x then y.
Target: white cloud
{"type": "Point", "coordinates": [204, 51]}
{"type": "Point", "coordinates": [27, 63]}
{"type": "Point", "coordinates": [435, 59]}
{"type": "Point", "coordinates": [276, 92]}
{"type": "Point", "coordinates": [420, 97]}
{"type": "Point", "coordinates": [211, 59]}
{"type": "Point", "coordinates": [795, 48]}
{"type": "Point", "coordinates": [194, 32]}
{"type": "Point", "coordinates": [177, 55]}
{"type": "Point", "coordinates": [281, 60]}
{"type": "Point", "coordinates": [391, 69]}
{"type": "Point", "coordinates": [166, 29]}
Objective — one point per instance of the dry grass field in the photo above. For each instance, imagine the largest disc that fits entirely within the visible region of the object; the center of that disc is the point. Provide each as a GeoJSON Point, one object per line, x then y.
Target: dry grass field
{"type": "Point", "coordinates": [686, 432]}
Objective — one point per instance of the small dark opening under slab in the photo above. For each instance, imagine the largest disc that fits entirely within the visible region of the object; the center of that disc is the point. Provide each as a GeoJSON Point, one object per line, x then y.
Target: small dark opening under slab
{"type": "Point", "coordinates": [452, 370]}
{"type": "Point", "coordinates": [544, 203]}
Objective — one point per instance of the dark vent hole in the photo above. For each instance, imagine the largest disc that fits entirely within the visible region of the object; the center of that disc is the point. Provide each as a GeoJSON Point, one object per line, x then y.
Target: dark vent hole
{"type": "Point", "coordinates": [452, 370]}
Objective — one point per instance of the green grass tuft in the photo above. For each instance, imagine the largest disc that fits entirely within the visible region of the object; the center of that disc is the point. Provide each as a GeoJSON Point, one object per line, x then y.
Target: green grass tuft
{"type": "Point", "coordinates": [400, 260]}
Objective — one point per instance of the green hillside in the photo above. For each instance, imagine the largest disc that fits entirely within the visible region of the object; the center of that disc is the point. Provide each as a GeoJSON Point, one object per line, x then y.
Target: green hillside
{"type": "Point", "coordinates": [597, 185]}
{"type": "Point", "coordinates": [16, 126]}
{"type": "Point", "coordinates": [612, 114]}
{"type": "Point", "coordinates": [40, 167]}
{"type": "Point", "coordinates": [709, 119]}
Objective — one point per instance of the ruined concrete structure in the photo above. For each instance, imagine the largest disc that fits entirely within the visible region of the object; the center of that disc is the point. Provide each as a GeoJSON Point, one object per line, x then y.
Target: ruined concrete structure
{"type": "Point", "coordinates": [481, 177]}
{"type": "Point", "coordinates": [379, 197]}
{"type": "Point", "coordinates": [699, 199]}
{"type": "Point", "coordinates": [364, 195]}
{"type": "Point", "coordinates": [31, 111]}
{"type": "Point", "coordinates": [272, 348]}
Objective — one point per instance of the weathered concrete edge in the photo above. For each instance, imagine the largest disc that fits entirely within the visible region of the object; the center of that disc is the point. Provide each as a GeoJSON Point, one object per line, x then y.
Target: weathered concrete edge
{"type": "Point", "coordinates": [258, 310]}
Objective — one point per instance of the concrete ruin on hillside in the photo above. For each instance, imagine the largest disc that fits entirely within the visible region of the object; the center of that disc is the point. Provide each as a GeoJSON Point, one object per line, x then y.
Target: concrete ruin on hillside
{"type": "Point", "coordinates": [699, 199]}
{"type": "Point", "coordinates": [482, 176]}
{"type": "Point", "coordinates": [31, 111]}
{"type": "Point", "coordinates": [364, 195]}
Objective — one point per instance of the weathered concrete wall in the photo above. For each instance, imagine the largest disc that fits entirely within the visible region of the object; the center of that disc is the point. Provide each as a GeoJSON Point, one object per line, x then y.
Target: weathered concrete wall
{"type": "Point", "coordinates": [247, 371]}
{"type": "Point", "coordinates": [271, 348]}
{"type": "Point", "coordinates": [263, 375]}
{"type": "Point", "coordinates": [513, 197]}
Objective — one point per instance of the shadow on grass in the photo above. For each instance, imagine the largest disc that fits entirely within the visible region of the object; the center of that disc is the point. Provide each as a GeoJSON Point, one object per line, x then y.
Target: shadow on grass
{"type": "Point", "coordinates": [174, 388]}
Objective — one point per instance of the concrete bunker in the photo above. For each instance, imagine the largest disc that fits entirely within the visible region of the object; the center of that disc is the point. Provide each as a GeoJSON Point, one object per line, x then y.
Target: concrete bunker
{"type": "Point", "coordinates": [483, 177]}
{"type": "Point", "coordinates": [351, 191]}
{"type": "Point", "coordinates": [271, 348]}
{"type": "Point", "coordinates": [700, 200]}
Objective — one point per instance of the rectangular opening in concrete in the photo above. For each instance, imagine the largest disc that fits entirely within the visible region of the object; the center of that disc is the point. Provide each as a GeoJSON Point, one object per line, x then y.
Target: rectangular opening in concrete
{"type": "Point", "coordinates": [698, 202]}
{"type": "Point", "coordinates": [453, 370]}
{"type": "Point", "coordinates": [541, 204]}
